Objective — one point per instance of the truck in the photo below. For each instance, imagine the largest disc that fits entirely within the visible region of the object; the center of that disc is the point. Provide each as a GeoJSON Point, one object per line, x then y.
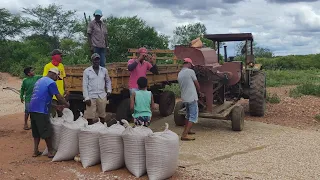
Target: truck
{"type": "Point", "coordinates": [119, 100]}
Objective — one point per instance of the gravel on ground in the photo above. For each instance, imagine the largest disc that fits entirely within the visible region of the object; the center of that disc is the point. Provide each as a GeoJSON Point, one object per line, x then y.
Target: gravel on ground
{"type": "Point", "coordinates": [263, 150]}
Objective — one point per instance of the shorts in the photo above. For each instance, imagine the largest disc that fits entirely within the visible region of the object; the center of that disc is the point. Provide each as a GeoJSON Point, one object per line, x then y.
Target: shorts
{"type": "Point", "coordinates": [142, 121]}
{"type": "Point", "coordinates": [192, 111]}
{"type": "Point", "coordinates": [133, 90]}
{"type": "Point", "coordinates": [26, 107]}
{"type": "Point", "coordinates": [40, 125]}
{"type": "Point", "coordinates": [97, 109]}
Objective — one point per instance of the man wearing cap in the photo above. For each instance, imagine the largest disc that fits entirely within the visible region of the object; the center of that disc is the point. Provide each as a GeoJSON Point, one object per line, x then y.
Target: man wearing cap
{"type": "Point", "coordinates": [98, 37]}
{"type": "Point", "coordinates": [189, 87]}
{"type": "Point", "coordinates": [56, 61]}
{"type": "Point", "coordinates": [39, 108]}
{"type": "Point", "coordinates": [138, 67]}
{"type": "Point", "coordinates": [95, 82]}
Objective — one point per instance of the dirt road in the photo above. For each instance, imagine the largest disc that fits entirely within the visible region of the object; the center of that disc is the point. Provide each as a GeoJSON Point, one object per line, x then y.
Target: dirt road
{"type": "Point", "coordinates": [260, 151]}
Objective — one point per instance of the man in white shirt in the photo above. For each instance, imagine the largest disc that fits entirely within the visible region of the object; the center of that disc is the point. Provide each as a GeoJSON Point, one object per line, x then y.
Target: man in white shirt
{"type": "Point", "coordinates": [95, 80]}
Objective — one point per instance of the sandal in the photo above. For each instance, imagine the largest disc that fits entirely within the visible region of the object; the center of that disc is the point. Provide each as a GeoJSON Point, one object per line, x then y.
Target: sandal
{"type": "Point", "coordinates": [26, 128]}
{"type": "Point", "coordinates": [53, 154]}
{"type": "Point", "coordinates": [36, 154]}
{"type": "Point", "coordinates": [190, 132]}
{"type": "Point", "coordinates": [187, 139]}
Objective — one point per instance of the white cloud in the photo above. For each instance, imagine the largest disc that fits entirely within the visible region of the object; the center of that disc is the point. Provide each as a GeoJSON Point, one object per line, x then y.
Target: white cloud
{"type": "Point", "coordinates": [286, 28]}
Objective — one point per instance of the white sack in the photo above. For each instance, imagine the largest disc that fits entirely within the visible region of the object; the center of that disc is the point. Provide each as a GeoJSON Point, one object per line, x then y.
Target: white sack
{"type": "Point", "coordinates": [56, 128]}
{"type": "Point", "coordinates": [111, 148]}
{"type": "Point", "coordinates": [69, 142]}
{"type": "Point", "coordinates": [134, 148]}
{"type": "Point", "coordinates": [89, 144]}
{"type": "Point", "coordinates": [162, 153]}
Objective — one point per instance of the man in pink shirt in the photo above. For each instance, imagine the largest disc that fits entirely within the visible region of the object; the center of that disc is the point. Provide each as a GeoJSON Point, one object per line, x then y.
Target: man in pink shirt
{"type": "Point", "coordinates": [138, 68]}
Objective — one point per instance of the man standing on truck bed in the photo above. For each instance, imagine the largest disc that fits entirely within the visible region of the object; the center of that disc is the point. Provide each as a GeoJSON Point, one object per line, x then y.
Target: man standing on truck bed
{"type": "Point", "coordinates": [56, 61]}
{"type": "Point", "coordinates": [189, 86]}
{"type": "Point", "coordinates": [98, 37]}
{"type": "Point", "coordinates": [139, 67]}
{"type": "Point", "coordinates": [39, 107]}
{"type": "Point", "coordinates": [95, 80]}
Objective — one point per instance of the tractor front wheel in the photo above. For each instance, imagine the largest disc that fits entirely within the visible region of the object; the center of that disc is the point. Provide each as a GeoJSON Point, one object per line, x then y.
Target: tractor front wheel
{"type": "Point", "coordinates": [237, 118]}
{"type": "Point", "coordinates": [257, 94]}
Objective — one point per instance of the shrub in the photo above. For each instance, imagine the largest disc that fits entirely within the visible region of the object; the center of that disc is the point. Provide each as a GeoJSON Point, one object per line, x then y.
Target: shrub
{"type": "Point", "coordinates": [273, 99]}
{"type": "Point", "coordinates": [174, 88]}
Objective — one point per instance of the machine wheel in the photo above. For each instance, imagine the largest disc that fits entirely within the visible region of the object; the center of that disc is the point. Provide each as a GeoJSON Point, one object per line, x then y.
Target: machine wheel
{"type": "Point", "coordinates": [123, 110]}
{"type": "Point", "coordinates": [179, 119]}
{"type": "Point", "coordinates": [166, 103]}
{"type": "Point", "coordinates": [257, 94]}
{"type": "Point", "coordinates": [237, 118]}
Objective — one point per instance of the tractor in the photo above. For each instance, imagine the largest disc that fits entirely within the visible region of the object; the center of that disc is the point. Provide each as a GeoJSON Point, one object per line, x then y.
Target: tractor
{"type": "Point", "coordinates": [224, 84]}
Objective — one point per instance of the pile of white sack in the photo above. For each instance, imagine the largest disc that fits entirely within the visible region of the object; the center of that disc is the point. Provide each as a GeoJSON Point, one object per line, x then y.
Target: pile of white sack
{"type": "Point", "coordinates": [68, 146]}
{"type": "Point", "coordinates": [137, 148]}
{"type": "Point", "coordinates": [56, 127]}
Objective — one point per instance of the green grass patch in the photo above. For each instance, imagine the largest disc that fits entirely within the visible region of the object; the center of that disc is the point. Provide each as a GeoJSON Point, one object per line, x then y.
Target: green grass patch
{"type": "Point", "coordinates": [317, 117]}
{"type": "Point", "coordinates": [276, 78]}
{"type": "Point", "coordinates": [305, 89]}
{"type": "Point", "coordinates": [273, 99]}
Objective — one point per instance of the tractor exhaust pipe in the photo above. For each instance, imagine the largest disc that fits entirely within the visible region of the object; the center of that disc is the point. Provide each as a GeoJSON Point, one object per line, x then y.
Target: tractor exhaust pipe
{"type": "Point", "coordinates": [225, 53]}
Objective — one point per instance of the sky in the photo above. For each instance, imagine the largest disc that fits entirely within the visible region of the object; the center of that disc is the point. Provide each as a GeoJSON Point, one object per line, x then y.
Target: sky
{"type": "Point", "coordinates": [283, 26]}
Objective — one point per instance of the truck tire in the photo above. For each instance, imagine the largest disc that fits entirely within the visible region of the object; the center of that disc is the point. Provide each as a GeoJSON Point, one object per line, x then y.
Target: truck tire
{"type": "Point", "coordinates": [123, 111]}
{"type": "Point", "coordinates": [166, 103]}
{"type": "Point", "coordinates": [257, 94]}
{"type": "Point", "coordinates": [237, 118]}
{"type": "Point", "coordinates": [179, 119]}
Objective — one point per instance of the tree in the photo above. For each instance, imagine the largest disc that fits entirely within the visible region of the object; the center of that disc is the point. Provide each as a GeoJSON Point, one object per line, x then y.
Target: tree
{"type": "Point", "coordinates": [10, 25]}
{"type": "Point", "coordinates": [186, 33]}
{"type": "Point", "coordinates": [131, 32]}
{"type": "Point", "coordinates": [259, 52]}
{"type": "Point", "coordinates": [52, 21]}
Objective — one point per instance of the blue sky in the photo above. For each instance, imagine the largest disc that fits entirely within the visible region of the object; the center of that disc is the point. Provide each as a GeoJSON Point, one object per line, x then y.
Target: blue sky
{"type": "Point", "coordinates": [284, 26]}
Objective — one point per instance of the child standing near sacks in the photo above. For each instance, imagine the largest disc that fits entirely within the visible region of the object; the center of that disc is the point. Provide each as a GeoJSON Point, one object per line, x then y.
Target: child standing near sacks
{"type": "Point", "coordinates": [141, 103]}
{"type": "Point", "coordinates": [26, 92]}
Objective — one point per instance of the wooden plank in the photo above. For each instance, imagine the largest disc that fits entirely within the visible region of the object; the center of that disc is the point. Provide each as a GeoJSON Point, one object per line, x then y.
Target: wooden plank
{"type": "Point", "coordinates": [164, 51]}
{"type": "Point", "coordinates": [161, 58]}
{"type": "Point", "coordinates": [223, 113]}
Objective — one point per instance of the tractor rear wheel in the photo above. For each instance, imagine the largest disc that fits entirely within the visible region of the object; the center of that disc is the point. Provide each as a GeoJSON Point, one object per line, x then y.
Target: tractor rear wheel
{"type": "Point", "coordinates": [257, 94]}
{"type": "Point", "coordinates": [178, 118]}
{"type": "Point", "coordinates": [166, 103]}
{"type": "Point", "coordinates": [237, 118]}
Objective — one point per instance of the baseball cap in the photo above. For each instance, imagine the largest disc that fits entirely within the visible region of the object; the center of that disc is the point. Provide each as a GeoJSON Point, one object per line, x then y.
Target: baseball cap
{"type": "Point", "coordinates": [27, 70]}
{"type": "Point", "coordinates": [56, 71]}
{"type": "Point", "coordinates": [98, 12]}
{"type": "Point", "coordinates": [55, 52]}
{"type": "Point", "coordinates": [95, 55]}
{"type": "Point", "coordinates": [188, 60]}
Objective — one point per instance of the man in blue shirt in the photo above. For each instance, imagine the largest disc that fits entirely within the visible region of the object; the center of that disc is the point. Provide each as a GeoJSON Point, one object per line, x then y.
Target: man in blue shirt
{"type": "Point", "coordinates": [39, 107]}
